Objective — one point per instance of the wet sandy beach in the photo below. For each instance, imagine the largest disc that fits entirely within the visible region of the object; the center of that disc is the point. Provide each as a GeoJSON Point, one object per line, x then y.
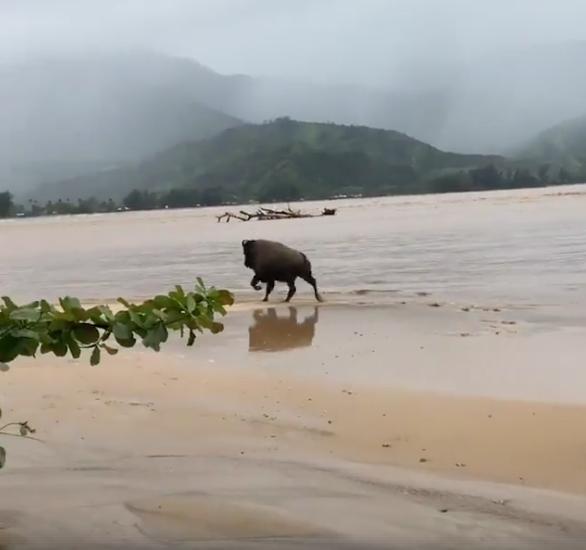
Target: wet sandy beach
{"type": "Point", "coordinates": [410, 423]}
{"type": "Point", "coordinates": [436, 399]}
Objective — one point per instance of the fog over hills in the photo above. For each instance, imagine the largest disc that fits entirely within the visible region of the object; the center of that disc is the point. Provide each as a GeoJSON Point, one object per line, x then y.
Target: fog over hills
{"type": "Point", "coordinates": [86, 88]}
{"type": "Point", "coordinates": [59, 116]}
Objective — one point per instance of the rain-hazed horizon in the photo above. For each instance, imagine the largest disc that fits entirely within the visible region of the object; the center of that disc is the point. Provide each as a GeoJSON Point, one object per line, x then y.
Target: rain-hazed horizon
{"type": "Point", "coordinates": [336, 41]}
{"type": "Point", "coordinates": [464, 76]}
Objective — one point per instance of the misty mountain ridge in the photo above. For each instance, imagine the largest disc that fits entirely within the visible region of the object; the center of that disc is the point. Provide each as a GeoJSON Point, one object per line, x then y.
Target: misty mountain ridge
{"type": "Point", "coordinates": [487, 105]}
{"type": "Point", "coordinates": [252, 160]}
{"type": "Point", "coordinates": [60, 115]}
{"type": "Point", "coordinates": [563, 144]}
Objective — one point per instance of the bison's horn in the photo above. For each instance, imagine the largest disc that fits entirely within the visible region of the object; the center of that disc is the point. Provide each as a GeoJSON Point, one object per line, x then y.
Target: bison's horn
{"type": "Point", "coordinates": [244, 242]}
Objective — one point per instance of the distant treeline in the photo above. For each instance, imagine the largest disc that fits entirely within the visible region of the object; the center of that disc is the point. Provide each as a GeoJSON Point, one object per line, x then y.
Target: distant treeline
{"type": "Point", "coordinates": [479, 179]}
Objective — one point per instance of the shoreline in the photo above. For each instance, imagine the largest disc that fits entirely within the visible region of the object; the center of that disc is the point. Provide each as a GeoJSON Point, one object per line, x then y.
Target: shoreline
{"type": "Point", "coordinates": [566, 189]}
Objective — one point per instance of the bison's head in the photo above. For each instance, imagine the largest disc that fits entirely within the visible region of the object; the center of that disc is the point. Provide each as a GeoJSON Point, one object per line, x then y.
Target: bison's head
{"type": "Point", "coordinates": [248, 249]}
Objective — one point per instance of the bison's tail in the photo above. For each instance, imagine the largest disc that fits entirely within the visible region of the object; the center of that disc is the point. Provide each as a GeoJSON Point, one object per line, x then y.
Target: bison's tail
{"type": "Point", "coordinates": [307, 262]}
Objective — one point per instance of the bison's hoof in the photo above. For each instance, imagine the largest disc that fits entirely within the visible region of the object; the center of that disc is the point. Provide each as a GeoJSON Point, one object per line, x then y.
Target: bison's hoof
{"type": "Point", "coordinates": [257, 287]}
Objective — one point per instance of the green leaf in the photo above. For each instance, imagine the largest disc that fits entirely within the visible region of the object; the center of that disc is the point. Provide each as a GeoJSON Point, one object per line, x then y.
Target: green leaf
{"type": "Point", "coordinates": [174, 316]}
{"type": "Point", "coordinates": [178, 300]}
{"type": "Point", "coordinates": [70, 304]}
{"type": "Point", "coordinates": [23, 430]}
{"type": "Point", "coordinates": [86, 334]}
{"type": "Point", "coordinates": [95, 356]}
{"type": "Point", "coordinates": [0, 413]}
{"type": "Point", "coordinates": [141, 332]}
{"type": "Point", "coordinates": [2, 457]}
{"type": "Point", "coordinates": [46, 347]}
{"type": "Point", "coordinates": [109, 350]}
{"type": "Point", "coordinates": [73, 347]}
{"type": "Point", "coordinates": [122, 331]}
{"type": "Point", "coordinates": [163, 302]}
{"type": "Point", "coordinates": [158, 314]}
{"type": "Point", "coordinates": [122, 317]}
{"type": "Point", "coordinates": [8, 348]}
{"type": "Point", "coordinates": [205, 321]}
{"type": "Point", "coordinates": [25, 314]}
{"type": "Point", "coordinates": [124, 303]}
{"type": "Point", "coordinates": [59, 348]}
{"type": "Point", "coordinates": [126, 343]}
{"type": "Point", "coordinates": [155, 337]}
{"type": "Point", "coordinates": [4, 367]}
{"type": "Point", "coordinates": [135, 318]}
{"type": "Point", "coordinates": [46, 307]}
{"type": "Point", "coordinates": [225, 297]}
{"type": "Point", "coordinates": [190, 303]}
{"type": "Point", "coordinates": [104, 311]}
{"type": "Point", "coordinates": [107, 313]}
{"type": "Point", "coordinates": [60, 325]}
{"type": "Point", "coordinates": [10, 305]}
{"type": "Point", "coordinates": [27, 347]}
{"type": "Point", "coordinates": [179, 290]}
{"type": "Point", "coordinates": [216, 327]}
{"type": "Point", "coordinates": [25, 333]}
{"type": "Point", "coordinates": [94, 314]}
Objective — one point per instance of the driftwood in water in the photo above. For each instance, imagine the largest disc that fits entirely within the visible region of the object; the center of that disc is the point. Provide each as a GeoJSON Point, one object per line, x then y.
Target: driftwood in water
{"type": "Point", "coordinates": [263, 214]}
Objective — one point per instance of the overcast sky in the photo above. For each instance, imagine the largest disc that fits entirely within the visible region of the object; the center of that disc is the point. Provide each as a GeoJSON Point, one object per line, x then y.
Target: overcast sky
{"type": "Point", "coordinates": [336, 40]}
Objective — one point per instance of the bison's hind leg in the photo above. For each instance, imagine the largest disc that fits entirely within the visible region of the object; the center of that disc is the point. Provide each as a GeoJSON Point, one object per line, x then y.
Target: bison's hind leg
{"type": "Point", "coordinates": [269, 289]}
{"type": "Point", "coordinates": [292, 289]}
{"type": "Point", "coordinates": [310, 279]}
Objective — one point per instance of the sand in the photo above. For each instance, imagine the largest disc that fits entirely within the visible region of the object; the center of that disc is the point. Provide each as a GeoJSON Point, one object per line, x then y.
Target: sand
{"type": "Point", "coordinates": [343, 423]}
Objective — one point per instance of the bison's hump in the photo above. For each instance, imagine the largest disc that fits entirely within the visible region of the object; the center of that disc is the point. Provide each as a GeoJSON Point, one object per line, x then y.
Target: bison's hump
{"type": "Point", "coordinates": [268, 256]}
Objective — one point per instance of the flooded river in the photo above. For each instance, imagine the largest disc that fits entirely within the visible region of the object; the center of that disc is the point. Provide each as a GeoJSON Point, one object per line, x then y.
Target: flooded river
{"type": "Point", "coordinates": [526, 245]}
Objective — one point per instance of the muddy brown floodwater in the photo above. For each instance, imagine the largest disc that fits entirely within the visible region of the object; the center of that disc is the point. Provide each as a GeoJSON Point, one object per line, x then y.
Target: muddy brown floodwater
{"type": "Point", "coordinates": [517, 245]}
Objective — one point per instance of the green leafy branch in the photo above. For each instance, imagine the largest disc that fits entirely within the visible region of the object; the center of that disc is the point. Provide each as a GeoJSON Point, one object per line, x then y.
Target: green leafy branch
{"type": "Point", "coordinates": [23, 430]}
{"type": "Point", "coordinates": [40, 327]}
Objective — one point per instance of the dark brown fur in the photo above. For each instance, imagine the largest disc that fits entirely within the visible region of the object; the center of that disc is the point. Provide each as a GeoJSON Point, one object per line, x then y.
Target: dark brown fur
{"type": "Point", "coordinates": [272, 261]}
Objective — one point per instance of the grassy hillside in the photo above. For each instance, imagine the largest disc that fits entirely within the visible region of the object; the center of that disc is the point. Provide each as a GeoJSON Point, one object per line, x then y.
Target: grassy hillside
{"type": "Point", "coordinates": [562, 145]}
{"type": "Point", "coordinates": [283, 159]}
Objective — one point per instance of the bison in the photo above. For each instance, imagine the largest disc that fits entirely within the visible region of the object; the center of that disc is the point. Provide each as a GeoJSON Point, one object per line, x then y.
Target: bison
{"type": "Point", "coordinates": [272, 261]}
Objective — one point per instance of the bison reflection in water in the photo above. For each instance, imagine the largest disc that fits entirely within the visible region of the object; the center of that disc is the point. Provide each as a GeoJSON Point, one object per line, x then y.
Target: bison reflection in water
{"type": "Point", "coordinates": [271, 332]}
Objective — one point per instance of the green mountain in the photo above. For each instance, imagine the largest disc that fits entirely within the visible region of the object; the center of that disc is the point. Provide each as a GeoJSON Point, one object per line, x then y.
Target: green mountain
{"type": "Point", "coordinates": [67, 116]}
{"type": "Point", "coordinates": [280, 160]}
{"type": "Point", "coordinates": [562, 145]}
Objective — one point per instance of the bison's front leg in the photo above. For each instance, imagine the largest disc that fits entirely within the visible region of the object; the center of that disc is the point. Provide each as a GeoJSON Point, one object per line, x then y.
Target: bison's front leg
{"type": "Point", "coordinates": [269, 289]}
{"type": "Point", "coordinates": [254, 283]}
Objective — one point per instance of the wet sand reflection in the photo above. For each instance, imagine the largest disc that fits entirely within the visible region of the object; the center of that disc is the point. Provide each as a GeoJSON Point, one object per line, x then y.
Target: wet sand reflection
{"type": "Point", "coordinates": [270, 332]}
